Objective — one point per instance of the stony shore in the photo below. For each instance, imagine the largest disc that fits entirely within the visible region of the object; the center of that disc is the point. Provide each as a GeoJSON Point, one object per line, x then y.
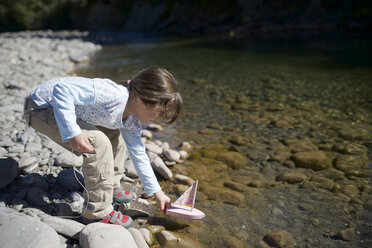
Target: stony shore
{"type": "Point", "coordinates": [37, 183]}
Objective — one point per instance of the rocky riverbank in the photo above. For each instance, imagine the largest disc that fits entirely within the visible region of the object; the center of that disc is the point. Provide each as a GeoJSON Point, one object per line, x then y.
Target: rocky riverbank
{"type": "Point", "coordinates": [37, 182]}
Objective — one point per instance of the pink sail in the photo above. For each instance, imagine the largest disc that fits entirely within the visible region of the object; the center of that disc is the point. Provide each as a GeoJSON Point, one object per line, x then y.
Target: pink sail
{"type": "Point", "coordinates": [188, 197]}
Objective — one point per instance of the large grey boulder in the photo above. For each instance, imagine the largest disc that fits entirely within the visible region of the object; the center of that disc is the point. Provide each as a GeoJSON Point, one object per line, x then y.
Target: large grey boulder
{"type": "Point", "coordinates": [8, 171]}
{"type": "Point", "coordinates": [98, 235]}
{"type": "Point", "coordinates": [19, 230]}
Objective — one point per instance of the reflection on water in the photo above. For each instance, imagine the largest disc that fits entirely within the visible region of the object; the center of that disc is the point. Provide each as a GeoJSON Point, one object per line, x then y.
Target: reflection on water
{"type": "Point", "coordinates": [279, 103]}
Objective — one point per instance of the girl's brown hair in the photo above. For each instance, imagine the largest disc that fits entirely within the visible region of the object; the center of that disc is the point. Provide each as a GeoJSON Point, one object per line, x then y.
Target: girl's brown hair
{"type": "Point", "coordinates": [156, 87]}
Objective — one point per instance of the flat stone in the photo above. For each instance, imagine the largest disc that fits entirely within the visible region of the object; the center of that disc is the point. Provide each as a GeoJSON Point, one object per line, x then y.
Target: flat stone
{"type": "Point", "coordinates": [68, 160]}
{"type": "Point", "coordinates": [163, 237]}
{"type": "Point", "coordinates": [26, 161]}
{"type": "Point", "coordinates": [138, 238]}
{"type": "Point", "coordinates": [315, 160]}
{"type": "Point", "coordinates": [161, 168]}
{"type": "Point", "coordinates": [66, 227]}
{"type": "Point", "coordinates": [20, 230]}
{"type": "Point", "coordinates": [8, 171]}
{"type": "Point", "coordinates": [300, 145]}
{"type": "Point", "coordinates": [29, 169]}
{"type": "Point", "coordinates": [172, 155]}
{"type": "Point", "coordinates": [98, 235]}
{"type": "Point", "coordinates": [146, 133]}
{"type": "Point", "coordinates": [291, 177]}
{"type": "Point", "coordinates": [184, 179]}
{"type": "Point", "coordinates": [152, 147]}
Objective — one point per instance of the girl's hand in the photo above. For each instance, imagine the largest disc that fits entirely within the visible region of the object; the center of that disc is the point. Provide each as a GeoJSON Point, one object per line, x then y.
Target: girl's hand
{"type": "Point", "coordinates": [163, 201]}
{"type": "Point", "coordinates": [80, 143]}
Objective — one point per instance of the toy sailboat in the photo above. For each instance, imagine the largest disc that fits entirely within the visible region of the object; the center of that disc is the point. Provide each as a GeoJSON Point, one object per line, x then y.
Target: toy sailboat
{"type": "Point", "coordinates": [183, 207]}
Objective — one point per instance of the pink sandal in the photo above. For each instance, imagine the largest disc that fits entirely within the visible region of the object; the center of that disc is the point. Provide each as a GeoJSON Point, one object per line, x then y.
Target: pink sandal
{"type": "Point", "coordinates": [117, 218]}
{"type": "Point", "coordinates": [122, 196]}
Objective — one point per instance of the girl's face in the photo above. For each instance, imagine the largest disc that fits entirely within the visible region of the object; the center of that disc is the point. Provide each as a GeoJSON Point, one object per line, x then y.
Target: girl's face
{"type": "Point", "coordinates": [146, 113]}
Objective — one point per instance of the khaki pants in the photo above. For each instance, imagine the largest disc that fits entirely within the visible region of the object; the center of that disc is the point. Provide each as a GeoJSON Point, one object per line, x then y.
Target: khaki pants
{"type": "Point", "coordinates": [102, 169]}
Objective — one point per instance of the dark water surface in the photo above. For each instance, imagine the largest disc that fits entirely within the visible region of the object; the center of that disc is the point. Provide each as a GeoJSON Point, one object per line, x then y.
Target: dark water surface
{"type": "Point", "coordinates": [269, 92]}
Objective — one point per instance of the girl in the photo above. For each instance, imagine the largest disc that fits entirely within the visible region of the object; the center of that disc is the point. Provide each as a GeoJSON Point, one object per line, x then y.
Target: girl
{"type": "Point", "coordinates": [100, 119]}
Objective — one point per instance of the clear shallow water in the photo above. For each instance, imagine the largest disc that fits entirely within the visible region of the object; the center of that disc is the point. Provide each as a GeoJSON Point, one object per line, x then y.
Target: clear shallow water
{"type": "Point", "coordinates": [266, 90]}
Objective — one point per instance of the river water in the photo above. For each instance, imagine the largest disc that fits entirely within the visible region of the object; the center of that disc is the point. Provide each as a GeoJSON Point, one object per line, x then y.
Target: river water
{"type": "Point", "coordinates": [260, 102]}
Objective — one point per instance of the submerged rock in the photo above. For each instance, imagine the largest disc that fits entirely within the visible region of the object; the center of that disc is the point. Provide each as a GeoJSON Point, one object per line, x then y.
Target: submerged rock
{"type": "Point", "coordinates": [315, 160]}
{"type": "Point", "coordinates": [282, 239]}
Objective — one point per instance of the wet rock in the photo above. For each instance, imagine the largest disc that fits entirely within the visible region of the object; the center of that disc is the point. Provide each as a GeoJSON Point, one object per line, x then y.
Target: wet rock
{"type": "Point", "coordinates": [258, 183]}
{"type": "Point", "coordinates": [66, 178]}
{"type": "Point", "coordinates": [98, 235]}
{"type": "Point", "coordinates": [164, 237]}
{"type": "Point", "coordinates": [206, 131]}
{"type": "Point", "coordinates": [315, 160]}
{"type": "Point", "coordinates": [138, 238]}
{"type": "Point", "coordinates": [231, 242]}
{"type": "Point", "coordinates": [323, 182]}
{"type": "Point", "coordinates": [236, 186]}
{"type": "Point", "coordinates": [282, 239]}
{"type": "Point", "coordinates": [66, 227]}
{"type": "Point", "coordinates": [238, 140]}
{"type": "Point", "coordinates": [172, 155]}
{"type": "Point", "coordinates": [8, 171]}
{"type": "Point", "coordinates": [155, 127]}
{"type": "Point", "coordinates": [147, 235]}
{"type": "Point", "coordinates": [300, 145]}
{"type": "Point", "coordinates": [280, 157]}
{"type": "Point", "coordinates": [331, 174]}
{"type": "Point", "coordinates": [291, 177]}
{"type": "Point", "coordinates": [68, 160]}
{"type": "Point", "coordinates": [223, 195]}
{"type": "Point", "coordinates": [347, 234]}
{"type": "Point", "coordinates": [159, 166]}
{"type": "Point", "coordinates": [184, 180]}
{"type": "Point", "coordinates": [153, 147]}
{"type": "Point", "coordinates": [215, 126]}
{"type": "Point", "coordinates": [350, 190]}
{"type": "Point", "coordinates": [14, 224]}
{"type": "Point", "coordinates": [349, 164]}
{"type": "Point", "coordinates": [233, 159]}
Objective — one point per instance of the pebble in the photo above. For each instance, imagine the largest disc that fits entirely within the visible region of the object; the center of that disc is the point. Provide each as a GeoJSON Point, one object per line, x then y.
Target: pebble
{"type": "Point", "coordinates": [154, 127]}
{"type": "Point", "coordinates": [347, 234]}
{"type": "Point", "coordinates": [281, 239]}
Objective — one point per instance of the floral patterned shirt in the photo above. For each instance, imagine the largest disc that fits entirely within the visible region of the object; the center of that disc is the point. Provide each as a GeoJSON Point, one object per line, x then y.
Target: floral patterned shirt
{"type": "Point", "coordinates": [100, 102]}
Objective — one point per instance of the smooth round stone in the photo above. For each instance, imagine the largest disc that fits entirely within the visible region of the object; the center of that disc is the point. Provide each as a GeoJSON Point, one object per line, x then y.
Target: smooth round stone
{"type": "Point", "coordinates": [146, 235]}
{"type": "Point", "coordinates": [146, 133]}
{"type": "Point", "coordinates": [66, 227]}
{"type": "Point", "coordinates": [8, 171]}
{"type": "Point", "coordinates": [18, 229]}
{"type": "Point", "coordinates": [68, 160]}
{"type": "Point", "coordinates": [280, 239]}
{"type": "Point", "coordinates": [161, 168]}
{"type": "Point", "coordinates": [183, 154]}
{"type": "Point", "coordinates": [184, 179]}
{"type": "Point", "coordinates": [154, 127]}
{"type": "Point", "coordinates": [163, 237]}
{"type": "Point", "coordinates": [98, 235]}
{"type": "Point", "coordinates": [172, 155]}
{"type": "Point", "coordinates": [17, 148]}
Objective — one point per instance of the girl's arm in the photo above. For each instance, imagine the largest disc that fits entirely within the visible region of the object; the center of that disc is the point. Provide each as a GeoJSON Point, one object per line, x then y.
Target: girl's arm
{"type": "Point", "coordinates": [65, 96]}
{"type": "Point", "coordinates": [143, 167]}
